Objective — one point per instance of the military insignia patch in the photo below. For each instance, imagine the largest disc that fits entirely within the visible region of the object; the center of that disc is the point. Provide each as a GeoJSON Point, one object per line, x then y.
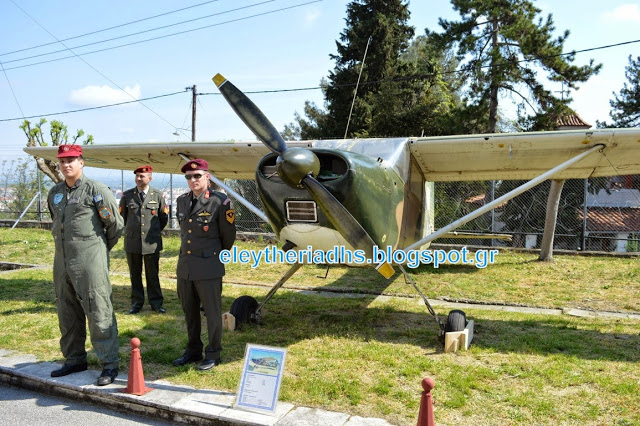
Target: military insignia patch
{"type": "Point", "coordinates": [104, 212]}
{"type": "Point", "coordinates": [166, 210]}
{"type": "Point", "coordinates": [57, 198]}
{"type": "Point", "coordinates": [227, 201]}
{"type": "Point", "coordinates": [231, 216]}
{"type": "Point", "coordinates": [120, 208]}
{"type": "Point", "coordinates": [97, 198]}
{"type": "Point", "coordinates": [205, 228]}
{"type": "Point", "coordinates": [153, 212]}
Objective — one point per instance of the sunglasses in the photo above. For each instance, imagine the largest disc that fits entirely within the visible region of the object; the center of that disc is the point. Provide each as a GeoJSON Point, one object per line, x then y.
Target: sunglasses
{"type": "Point", "coordinates": [195, 176]}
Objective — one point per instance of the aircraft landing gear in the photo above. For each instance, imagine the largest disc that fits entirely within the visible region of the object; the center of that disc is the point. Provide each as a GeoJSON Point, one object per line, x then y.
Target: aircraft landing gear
{"type": "Point", "coordinates": [246, 308]}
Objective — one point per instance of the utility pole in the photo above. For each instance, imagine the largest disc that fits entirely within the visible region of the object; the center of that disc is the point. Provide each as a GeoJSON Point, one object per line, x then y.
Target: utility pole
{"type": "Point", "coordinates": [193, 114]}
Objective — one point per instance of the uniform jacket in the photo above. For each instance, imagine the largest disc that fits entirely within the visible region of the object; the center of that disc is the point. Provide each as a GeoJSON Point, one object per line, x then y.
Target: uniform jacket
{"type": "Point", "coordinates": [86, 225]}
{"type": "Point", "coordinates": [144, 221]}
{"type": "Point", "coordinates": [205, 230]}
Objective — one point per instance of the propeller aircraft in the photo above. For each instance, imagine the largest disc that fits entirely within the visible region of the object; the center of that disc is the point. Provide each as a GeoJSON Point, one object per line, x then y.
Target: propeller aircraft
{"type": "Point", "coordinates": [362, 194]}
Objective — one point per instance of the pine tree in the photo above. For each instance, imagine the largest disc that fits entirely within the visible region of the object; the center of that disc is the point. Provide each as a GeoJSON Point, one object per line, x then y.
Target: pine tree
{"type": "Point", "coordinates": [502, 45]}
{"type": "Point", "coordinates": [380, 28]}
{"type": "Point", "coordinates": [626, 105]}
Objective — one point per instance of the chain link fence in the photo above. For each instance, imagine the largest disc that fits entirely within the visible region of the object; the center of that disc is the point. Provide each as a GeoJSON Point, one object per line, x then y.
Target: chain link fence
{"type": "Point", "coordinates": [601, 214]}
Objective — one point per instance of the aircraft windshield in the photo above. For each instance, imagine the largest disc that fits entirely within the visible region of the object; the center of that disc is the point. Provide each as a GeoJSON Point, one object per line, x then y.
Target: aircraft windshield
{"type": "Point", "coordinates": [394, 151]}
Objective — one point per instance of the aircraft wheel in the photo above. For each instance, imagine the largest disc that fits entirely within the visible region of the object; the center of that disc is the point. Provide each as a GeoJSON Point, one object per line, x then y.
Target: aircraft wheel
{"type": "Point", "coordinates": [243, 309]}
{"type": "Point", "coordinates": [456, 321]}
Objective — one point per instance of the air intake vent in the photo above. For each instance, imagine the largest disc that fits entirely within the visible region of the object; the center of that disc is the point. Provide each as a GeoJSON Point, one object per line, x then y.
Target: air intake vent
{"type": "Point", "coordinates": [301, 211]}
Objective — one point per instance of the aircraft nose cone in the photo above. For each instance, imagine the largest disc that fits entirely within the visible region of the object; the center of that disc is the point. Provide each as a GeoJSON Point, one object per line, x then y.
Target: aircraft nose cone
{"type": "Point", "coordinates": [296, 163]}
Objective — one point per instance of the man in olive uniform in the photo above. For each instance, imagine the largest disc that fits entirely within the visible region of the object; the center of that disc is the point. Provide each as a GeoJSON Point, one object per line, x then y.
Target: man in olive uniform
{"type": "Point", "coordinates": [85, 228]}
{"type": "Point", "coordinates": [145, 216]}
{"type": "Point", "coordinates": [206, 227]}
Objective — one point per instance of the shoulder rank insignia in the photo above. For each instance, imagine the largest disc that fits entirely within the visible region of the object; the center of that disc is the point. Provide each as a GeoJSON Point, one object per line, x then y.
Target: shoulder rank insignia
{"type": "Point", "coordinates": [231, 216]}
{"type": "Point", "coordinates": [97, 198]}
{"type": "Point", "coordinates": [104, 212]}
{"type": "Point", "coordinates": [205, 213]}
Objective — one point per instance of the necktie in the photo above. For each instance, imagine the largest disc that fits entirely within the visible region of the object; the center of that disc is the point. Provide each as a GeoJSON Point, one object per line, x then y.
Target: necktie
{"type": "Point", "coordinates": [142, 196]}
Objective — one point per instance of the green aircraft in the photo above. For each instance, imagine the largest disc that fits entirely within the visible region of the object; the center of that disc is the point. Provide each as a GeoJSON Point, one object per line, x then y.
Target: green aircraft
{"type": "Point", "coordinates": [371, 195]}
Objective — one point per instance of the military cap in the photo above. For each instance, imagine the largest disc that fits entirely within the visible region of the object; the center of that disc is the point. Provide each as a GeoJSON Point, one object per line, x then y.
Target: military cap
{"type": "Point", "coordinates": [196, 164]}
{"type": "Point", "coordinates": [68, 150]}
{"type": "Point", "coordinates": [143, 169]}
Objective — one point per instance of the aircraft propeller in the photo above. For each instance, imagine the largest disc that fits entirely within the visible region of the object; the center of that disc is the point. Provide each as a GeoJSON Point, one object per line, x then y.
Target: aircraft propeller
{"type": "Point", "coordinates": [298, 167]}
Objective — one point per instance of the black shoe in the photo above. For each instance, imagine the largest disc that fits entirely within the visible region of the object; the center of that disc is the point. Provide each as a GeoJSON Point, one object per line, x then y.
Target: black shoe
{"type": "Point", "coordinates": [134, 310]}
{"type": "Point", "coordinates": [187, 358]}
{"type": "Point", "coordinates": [68, 369]}
{"type": "Point", "coordinates": [208, 364]}
{"type": "Point", "coordinates": [108, 376]}
{"type": "Point", "coordinates": [160, 310]}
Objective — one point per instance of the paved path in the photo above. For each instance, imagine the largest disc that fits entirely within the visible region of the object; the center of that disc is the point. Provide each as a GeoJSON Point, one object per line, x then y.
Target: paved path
{"type": "Point", "coordinates": [174, 403]}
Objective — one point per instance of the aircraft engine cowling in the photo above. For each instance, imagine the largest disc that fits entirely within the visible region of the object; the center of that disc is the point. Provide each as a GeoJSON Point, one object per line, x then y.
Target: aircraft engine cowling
{"type": "Point", "coordinates": [369, 189]}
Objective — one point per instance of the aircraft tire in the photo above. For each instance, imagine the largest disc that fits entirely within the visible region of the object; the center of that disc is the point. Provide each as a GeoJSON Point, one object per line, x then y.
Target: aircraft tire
{"type": "Point", "coordinates": [456, 321]}
{"type": "Point", "coordinates": [242, 309]}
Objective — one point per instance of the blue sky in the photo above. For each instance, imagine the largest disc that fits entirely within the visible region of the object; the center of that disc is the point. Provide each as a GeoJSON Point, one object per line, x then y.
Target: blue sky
{"type": "Point", "coordinates": [285, 49]}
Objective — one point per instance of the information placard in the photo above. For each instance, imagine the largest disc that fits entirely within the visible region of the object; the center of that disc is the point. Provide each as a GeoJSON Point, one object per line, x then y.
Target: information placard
{"type": "Point", "coordinates": [261, 378]}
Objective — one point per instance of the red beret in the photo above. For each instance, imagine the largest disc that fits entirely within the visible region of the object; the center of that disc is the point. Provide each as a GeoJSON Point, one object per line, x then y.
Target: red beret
{"type": "Point", "coordinates": [143, 169]}
{"type": "Point", "coordinates": [196, 164]}
{"type": "Point", "coordinates": [67, 150]}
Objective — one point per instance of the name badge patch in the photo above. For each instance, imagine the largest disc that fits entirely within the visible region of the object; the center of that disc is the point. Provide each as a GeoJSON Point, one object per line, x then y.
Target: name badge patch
{"type": "Point", "coordinates": [97, 198]}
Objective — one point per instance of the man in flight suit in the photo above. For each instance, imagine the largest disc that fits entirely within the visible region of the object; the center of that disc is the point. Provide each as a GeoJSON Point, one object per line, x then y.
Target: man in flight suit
{"type": "Point", "coordinates": [206, 226]}
{"type": "Point", "coordinates": [145, 216]}
{"type": "Point", "coordinates": [85, 228]}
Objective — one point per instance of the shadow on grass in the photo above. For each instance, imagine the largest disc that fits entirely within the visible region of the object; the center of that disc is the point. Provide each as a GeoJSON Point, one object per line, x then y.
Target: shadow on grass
{"type": "Point", "coordinates": [292, 317]}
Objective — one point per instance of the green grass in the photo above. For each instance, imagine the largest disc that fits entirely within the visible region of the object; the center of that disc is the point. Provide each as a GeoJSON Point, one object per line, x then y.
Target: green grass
{"type": "Point", "coordinates": [367, 356]}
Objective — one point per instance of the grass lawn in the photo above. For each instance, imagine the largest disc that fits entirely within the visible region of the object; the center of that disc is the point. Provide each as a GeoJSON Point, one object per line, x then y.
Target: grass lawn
{"type": "Point", "coordinates": [367, 356]}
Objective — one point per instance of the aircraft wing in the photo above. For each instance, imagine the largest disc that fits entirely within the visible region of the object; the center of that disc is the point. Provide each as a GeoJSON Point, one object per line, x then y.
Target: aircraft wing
{"type": "Point", "coordinates": [234, 160]}
{"type": "Point", "coordinates": [523, 156]}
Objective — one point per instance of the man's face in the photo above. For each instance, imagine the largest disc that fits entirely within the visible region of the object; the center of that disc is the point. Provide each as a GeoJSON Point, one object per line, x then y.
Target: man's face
{"type": "Point", "coordinates": [142, 180]}
{"type": "Point", "coordinates": [198, 180]}
{"type": "Point", "coordinates": [71, 167]}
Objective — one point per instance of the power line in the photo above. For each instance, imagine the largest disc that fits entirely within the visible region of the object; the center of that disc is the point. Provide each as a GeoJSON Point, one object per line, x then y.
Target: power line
{"type": "Point", "coordinates": [92, 108]}
{"type": "Point", "coordinates": [110, 28]}
{"type": "Point", "coordinates": [91, 66]}
{"type": "Point", "coordinates": [137, 33]}
{"type": "Point", "coordinates": [166, 35]}
{"type": "Point", "coordinates": [404, 78]}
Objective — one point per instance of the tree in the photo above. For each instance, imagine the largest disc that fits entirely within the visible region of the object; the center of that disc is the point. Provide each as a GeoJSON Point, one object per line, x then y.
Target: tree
{"type": "Point", "coordinates": [626, 104]}
{"type": "Point", "coordinates": [501, 47]}
{"type": "Point", "coordinates": [379, 28]}
{"type": "Point", "coordinates": [59, 135]}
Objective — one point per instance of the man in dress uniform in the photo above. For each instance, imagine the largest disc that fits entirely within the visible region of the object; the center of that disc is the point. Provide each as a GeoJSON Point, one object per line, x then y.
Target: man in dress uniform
{"type": "Point", "coordinates": [85, 228]}
{"type": "Point", "coordinates": [206, 226]}
{"type": "Point", "coordinates": [145, 215]}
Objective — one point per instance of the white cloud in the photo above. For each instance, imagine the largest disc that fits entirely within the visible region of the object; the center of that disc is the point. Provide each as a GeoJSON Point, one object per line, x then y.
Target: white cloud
{"type": "Point", "coordinates": [103, 95]}
{"type": "Point", "coordinates": [625, 13]}
{"type": "Point", "coordinates": [312, 16]}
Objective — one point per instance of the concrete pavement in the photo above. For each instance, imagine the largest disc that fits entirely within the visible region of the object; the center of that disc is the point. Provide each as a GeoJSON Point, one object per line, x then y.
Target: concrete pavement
{"type": "Point", "coordinates": [166, 401]}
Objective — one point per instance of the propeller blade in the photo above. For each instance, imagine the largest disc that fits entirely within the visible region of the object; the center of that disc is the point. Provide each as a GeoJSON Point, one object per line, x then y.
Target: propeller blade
{"type": "Point", "coordinates": [251, 115]}
{"type": "Point", "coordinates": [344, 222]}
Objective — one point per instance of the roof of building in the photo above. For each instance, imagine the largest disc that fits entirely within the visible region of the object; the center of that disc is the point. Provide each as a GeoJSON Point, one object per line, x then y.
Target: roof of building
{"type": "Point", "coordinates": [612, 219]}
{"type": "Point", "coordinates": [571, 120]}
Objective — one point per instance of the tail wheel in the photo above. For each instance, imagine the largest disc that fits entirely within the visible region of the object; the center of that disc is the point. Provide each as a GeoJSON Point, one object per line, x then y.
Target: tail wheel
{"type": "Point", "coordinates": [456, 321]}
{"type": "Point", "coordinates": [244, 309]}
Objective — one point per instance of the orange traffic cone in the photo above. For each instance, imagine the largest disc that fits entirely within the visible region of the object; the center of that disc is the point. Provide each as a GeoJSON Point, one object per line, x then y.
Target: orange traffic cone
{"type": "Point", "coordinates": [136, 385]}
{"type": "Point", "coordinates": [425, 416]}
